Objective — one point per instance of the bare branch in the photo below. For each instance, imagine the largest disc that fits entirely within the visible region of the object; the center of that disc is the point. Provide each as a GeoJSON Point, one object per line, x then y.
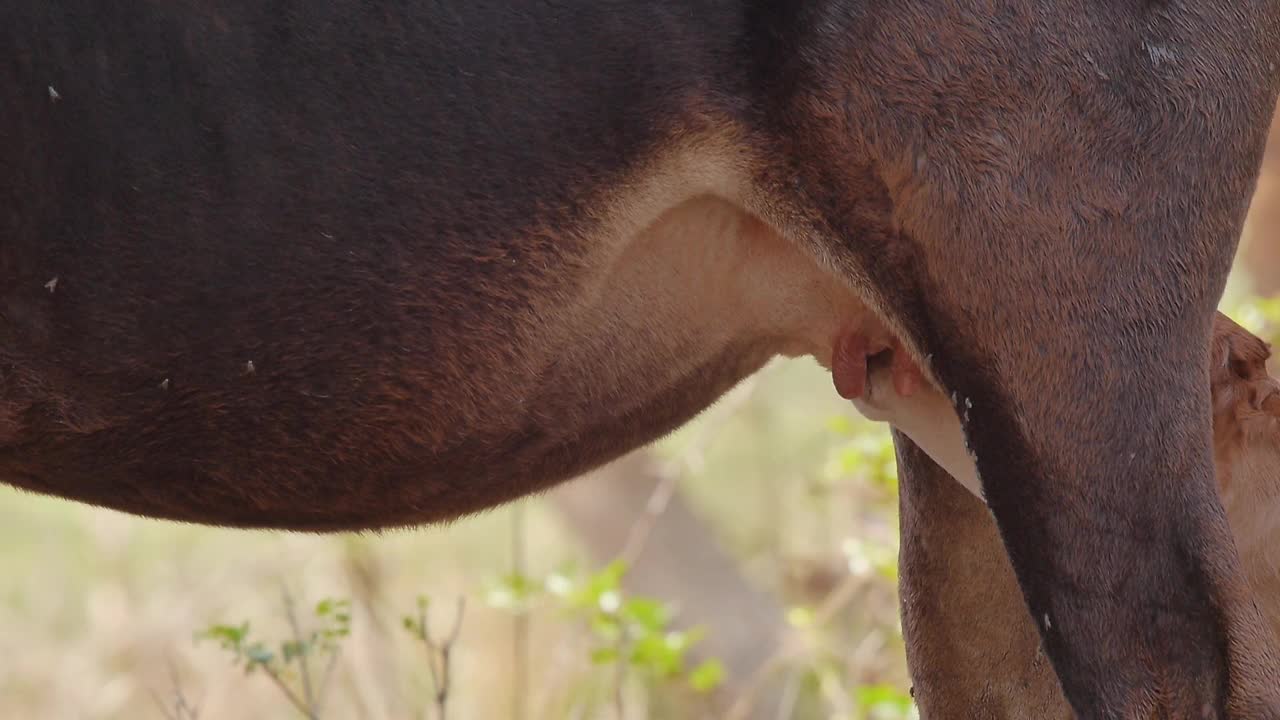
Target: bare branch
{"type": "Point", "coordinates": [833, 603]}
{"type": "Point", "coordinates": [692, 459]}
{"type": "Point", "coordinates": [289, 694]}
{"type": "Point", "coordinates": [620, 676]}
{"type": "Point", "coordinates": [520, 620]}
{"type": "Point", "coordinates": [308, 707]}
{"type": "Point", "coordinates": [324, 680]}
{"type": "Point", "coordinates": [438, 655]}
{"type": "Point", "coordinates": [182, 709]}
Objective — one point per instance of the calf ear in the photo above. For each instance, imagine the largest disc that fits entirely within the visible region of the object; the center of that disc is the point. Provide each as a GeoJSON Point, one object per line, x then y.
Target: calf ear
{"type": "Point", "coordinates": [1237, 353]}
{"type": "Point", "coordinates": [1268, 398]}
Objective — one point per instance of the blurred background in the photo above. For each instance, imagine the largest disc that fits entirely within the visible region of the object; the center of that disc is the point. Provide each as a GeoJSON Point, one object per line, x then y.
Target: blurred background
{"type": "Point", "coordinates": [744, 567]}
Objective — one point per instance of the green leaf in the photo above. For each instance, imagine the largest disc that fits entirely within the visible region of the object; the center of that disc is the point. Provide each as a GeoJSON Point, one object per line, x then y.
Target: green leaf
{"type": "Point", "coordinates": [293, 649]}
{"type": "Point", "coordinates": [865, 558]}
{"type": "Point", "coordinates": [708, 676]}
{"type": "Point", "coordinates": [604, 655]}
{"type": "Point", "coordinates": [655, 654]}
{"type": "Point", "coordinates": [513, 592]}
{"type": "Point", "coordinates": [606, 627]}
{"type": "Point", "coordinates": [230, 637]}
{"type": "Point", "coordinates": [800, 617]}
{"type": "Point", "coordinates": [694, 635]}
{"type": "Point", "coordinates": [258, 654]}
{"type": "Point", "coordinates": [884, 702]}
{"type": "Point", "coordinates": [646, 612]}
{"type": "Point", "coordinates": [607, 580]}
{"type": "Point", "coordinates": [840, 425]}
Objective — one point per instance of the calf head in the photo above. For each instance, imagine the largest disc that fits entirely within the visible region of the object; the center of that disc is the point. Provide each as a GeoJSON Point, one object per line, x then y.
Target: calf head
{"type": "Point", "coordinates": [1246, 429]}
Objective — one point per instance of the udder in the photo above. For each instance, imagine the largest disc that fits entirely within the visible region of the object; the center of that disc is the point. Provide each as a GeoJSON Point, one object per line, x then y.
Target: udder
{"type": "Point", "coordinates": [872, 368]}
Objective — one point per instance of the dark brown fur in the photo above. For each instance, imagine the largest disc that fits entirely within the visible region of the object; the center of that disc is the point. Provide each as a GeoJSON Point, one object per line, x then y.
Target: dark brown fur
{"type": "Point", "coordinates": [359, 263]}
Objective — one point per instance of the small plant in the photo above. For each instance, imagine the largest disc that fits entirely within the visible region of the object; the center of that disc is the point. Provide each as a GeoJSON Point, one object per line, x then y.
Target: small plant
{"type": "Point", "coordinates": [629, 633]}
{"type": "Point", "coordinates": [865, 451]}
{"type": "Point", "coordinates": [885, 702]}
{"type": "Point", "coordinates": [438, 651]}
{"type": "Point", "coordinates": [288, 662]}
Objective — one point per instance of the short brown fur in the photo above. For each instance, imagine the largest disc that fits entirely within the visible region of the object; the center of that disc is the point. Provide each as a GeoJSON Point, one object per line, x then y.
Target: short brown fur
{"type": "Point", "coordinates": [347, 264]}
{"type": "Point", "coordinates": [974, 651]}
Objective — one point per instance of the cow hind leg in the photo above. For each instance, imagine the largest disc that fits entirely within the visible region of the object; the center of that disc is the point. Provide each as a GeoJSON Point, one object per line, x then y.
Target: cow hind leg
{"type": "Point", "coordinates": [1050, 238]}
{"type": "Point", "coordinates": [1089, 425]}
{"type": "Point", "coordinates": [1081, 392]}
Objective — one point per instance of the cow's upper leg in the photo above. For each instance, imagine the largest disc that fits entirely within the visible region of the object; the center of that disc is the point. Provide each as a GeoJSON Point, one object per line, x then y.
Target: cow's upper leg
{"type": "Point", "coordinates": [1055, 232]}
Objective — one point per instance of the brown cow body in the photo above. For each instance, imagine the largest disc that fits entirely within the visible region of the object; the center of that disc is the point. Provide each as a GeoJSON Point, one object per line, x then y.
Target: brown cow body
{"type": "Point", "coordinates": [973, 649]}
{"type": "Point", "coordinates": [358, 263]}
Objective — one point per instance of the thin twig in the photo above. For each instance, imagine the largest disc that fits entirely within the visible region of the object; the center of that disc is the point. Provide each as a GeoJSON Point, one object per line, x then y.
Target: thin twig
{"type": "Point", "coordinates": [620, 676]}
{"type": "Point", "coordinates": [690, 459]}
{"type": "Point", "coordinates": [162, 706]}
{"type": "Point", "coordinates": [182, 709]}
{"type": "Point", "coordinates": [375, 669]}
{"type": "Point", "coordinates": [324, 680]}
{"type": "Point", "coordinates": [438, 655]}
{"type": "Point", "coordinates": [288, 692]}
{"type": "Point", "coordinates": [640, 531]}
{"type": "Point", "coordinates": [303, 650]}
{"type": "Point", "coordinates": [790, 693]}
{"type": "Point", "coordinates": [520, 621]}
{"type": "Point", "coordinates": [832, 604]}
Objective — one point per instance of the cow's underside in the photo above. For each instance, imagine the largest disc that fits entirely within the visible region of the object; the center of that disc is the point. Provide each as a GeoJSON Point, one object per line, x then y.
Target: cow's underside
{"type": "Point", "coordinates": [352, 263]}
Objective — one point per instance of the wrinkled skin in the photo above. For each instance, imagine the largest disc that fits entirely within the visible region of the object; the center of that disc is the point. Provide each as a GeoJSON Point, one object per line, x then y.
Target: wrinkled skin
{"type": "Point", "coordinates": [355, 263]}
